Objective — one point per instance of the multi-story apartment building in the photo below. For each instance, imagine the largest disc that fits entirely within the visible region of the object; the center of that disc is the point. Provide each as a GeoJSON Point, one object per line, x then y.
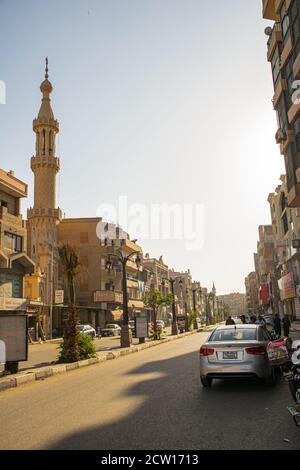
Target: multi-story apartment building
{"type": "Point", "coordinates": [183, 290]}
{"type": "Point", "coordinates": [252, 292]}
{"type": "Point", "coordinates": [156, 276]}
{"type": "Point", "coordinates": [286, 232]}
{"type": "Point", "coordinates": [99, 290]}
{"type": "Point", "coordinates": [15, 264]}
{"type": "Point", "coordinates": [284, 56]}
{"type": "Point", "coordinates": [236, 302]}
{"type": "Point", "coordinates": [266, 266]}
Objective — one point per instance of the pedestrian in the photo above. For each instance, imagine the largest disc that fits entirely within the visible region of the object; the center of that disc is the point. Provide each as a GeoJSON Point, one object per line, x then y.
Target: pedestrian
{"type": "Point", "coordinates": [261, 321]}
{"type": "Point", "coordinates": [253, 319]}
{"type": "Point", "coordinates": [243, 319]}
{"type": "Point", "coordinates": [277, 325]}
{"type": "Point", "coordinates": [230, 321]}
{"type": "Point", "coordinates": [286, 326]}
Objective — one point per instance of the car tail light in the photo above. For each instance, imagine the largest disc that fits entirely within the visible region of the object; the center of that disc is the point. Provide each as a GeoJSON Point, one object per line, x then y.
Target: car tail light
{"type": "Point", "coordinates": [206, 351]}
{"type": "Point", "coordinates": [256, 351]}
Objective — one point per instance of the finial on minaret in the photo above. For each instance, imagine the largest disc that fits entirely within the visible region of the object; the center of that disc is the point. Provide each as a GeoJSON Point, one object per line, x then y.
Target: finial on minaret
{"type": "Point", "coordinates": [46, 70]}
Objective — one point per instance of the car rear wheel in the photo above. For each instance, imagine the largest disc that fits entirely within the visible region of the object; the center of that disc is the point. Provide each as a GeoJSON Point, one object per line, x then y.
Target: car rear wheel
{"type": "Point", "coordinates": [206, 381]}
{"type": "Point", "coordinates": [271, 380]}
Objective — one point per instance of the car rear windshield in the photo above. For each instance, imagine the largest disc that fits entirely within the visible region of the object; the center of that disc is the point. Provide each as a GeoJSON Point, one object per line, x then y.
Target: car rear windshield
{"type": "Point", "coordinates": [242, 334]}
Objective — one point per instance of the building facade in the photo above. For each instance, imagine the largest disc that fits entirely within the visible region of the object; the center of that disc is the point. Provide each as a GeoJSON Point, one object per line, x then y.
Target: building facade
{"type": "Point", "coordinates": [284, 55]}
{"type": "Point", "coordinates": [15, 264]}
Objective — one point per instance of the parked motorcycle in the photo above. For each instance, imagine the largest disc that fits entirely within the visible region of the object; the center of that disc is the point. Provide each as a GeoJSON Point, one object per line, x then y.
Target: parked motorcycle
{"type": "Point", "coordinates": [286, 354]}
{"type": "Point", "coordinates": [291, 372]}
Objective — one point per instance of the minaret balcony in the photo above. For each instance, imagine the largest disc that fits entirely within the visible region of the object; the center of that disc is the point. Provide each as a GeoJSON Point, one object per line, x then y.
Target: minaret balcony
{"type": "Point", "coordinates": [41, 161]}
{"type": "Point", "coordinates": [42, 122]}
{"type": "Point", "coordinates": [41, 212]}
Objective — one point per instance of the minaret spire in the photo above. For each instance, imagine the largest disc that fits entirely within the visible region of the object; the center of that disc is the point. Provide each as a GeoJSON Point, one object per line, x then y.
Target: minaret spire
{"type": "Point", "coordinates": [46, 69]}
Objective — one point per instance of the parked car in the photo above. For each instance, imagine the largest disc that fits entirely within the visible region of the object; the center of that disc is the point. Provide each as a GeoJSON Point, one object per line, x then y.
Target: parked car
{"type": "Point", "coordinates": [87, 330]}
{"type": "Point", "coordinates": [112, 329]}
{"type": "Point", "coordinates": [237, 351]}
{"type": "Point", "coordinates": [269, 320]}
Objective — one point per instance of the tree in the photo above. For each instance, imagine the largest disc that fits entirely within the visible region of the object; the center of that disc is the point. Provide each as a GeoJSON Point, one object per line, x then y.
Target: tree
{"type": "Point", "coordinates": [70, 347]}
{"type": "Point", "coordinates": [154, 299]}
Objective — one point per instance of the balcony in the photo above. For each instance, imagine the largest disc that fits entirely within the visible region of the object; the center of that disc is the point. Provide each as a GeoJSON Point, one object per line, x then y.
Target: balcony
{"type": "Point", "coordinates": [281, 87]}
{"type": "Point", "coordinates": [290, 138]}
{"type": "Point", "coordinates": [296, 67]}
{"type": "Point", "coordinates": [269, 10]}
{"type": "Point", "coordinates": [56, 213]}
{"type": "Point", "coordinates": [108, 296]}
{"type": "Point", "coordinates": [15, 221]}
{"type": "Point", "coordinates": [129, 246]}
{"type": "Point", "coordinates": [293, 112]}
{"type": "Point", "coordinates": [294, 194]}
{"type": "Point", "coordinates": [275, 38]}
{"type": "Point", "coordinates": [286, 52]}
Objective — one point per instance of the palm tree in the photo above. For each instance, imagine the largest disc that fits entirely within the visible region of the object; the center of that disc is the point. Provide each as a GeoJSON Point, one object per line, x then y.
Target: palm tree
{"type": "Point", "coordinates": [69, 261]}
{"type": "Point", "coordinates": [154, 299]}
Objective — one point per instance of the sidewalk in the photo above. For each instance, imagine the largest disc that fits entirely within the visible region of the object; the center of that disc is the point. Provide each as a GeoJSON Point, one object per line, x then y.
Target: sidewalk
{"type": "Point", "coordinates": [41, 373]}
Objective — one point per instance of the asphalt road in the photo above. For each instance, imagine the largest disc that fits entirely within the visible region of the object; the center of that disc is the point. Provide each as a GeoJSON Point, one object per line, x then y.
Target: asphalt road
{"type": "Point", "coordinates": [148, 400]}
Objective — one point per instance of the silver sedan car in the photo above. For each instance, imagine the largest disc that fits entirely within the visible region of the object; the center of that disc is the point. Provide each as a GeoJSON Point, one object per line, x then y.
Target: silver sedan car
{"type": "Point", "coordinates": [236, 351]}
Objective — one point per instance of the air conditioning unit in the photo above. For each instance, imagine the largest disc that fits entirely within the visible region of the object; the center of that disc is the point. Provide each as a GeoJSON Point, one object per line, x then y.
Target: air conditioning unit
{"type": "Point", "coordinates": [280, 136]}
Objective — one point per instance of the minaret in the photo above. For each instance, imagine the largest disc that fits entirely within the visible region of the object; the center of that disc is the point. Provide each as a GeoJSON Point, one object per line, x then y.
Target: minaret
{"type": "Point", "coordinates": [44, 217]}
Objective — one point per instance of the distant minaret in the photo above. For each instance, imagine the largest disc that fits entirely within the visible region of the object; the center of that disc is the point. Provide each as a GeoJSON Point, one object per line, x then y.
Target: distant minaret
{"type": "Point", "coordinates": [44, 217]}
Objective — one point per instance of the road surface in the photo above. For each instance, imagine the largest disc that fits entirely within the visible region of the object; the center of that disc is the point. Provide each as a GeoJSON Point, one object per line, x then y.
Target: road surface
{"type": "Point", "coordinates": [148, 400]}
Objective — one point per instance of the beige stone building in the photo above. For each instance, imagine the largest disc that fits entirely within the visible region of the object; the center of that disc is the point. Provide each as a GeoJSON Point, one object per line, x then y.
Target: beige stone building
{"type": "Point", "coordinates": [286, 233]}
{"type": "Point", "coordinates": [15, 264]}
{"type": "Point", "coordinates": [252, 292]}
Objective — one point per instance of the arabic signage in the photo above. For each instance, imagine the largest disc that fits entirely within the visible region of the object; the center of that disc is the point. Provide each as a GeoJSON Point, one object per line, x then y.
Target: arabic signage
{"type": "Point", "coordinates": [12, 304]}
{"type": "Point", "coordinates": [141, 327]}
{"type": "Point", "coordinates": [59, 297]}
{"type": "Point", "coordinates": [287, 287]}
{"type": "Point", "coordinates": [264, 294]}
{"type": "Point", "coordinates": [13, 333]}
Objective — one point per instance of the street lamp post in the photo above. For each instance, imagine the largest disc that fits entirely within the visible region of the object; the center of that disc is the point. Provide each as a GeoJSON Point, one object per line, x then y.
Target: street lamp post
{"type": "Point", "coordinates": [194, 308]}
{"type": "Point", "coordinates": [174, 319]}
{"type": "Point", "coordinates": [186, 312]}
{"type": "Point", "coordinates": [126, 336]}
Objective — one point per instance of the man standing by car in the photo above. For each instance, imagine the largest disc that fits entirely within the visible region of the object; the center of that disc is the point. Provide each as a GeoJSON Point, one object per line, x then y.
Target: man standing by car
{"type": "Point", "coordinates": [286, 326]}
{"type": "Point", "coordinates": [230, 321]}
{"type": "Point", "coordinates": [277, 325]}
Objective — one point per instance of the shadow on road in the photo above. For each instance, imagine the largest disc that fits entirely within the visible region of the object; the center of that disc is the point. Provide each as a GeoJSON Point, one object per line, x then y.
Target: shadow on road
{"type": "Point", "coordinates": [177, 413]}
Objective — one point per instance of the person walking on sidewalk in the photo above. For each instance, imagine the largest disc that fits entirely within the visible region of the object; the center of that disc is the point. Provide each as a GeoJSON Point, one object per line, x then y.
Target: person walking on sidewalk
{"type": "Point", "coordinates": [277, 325]}
{"type": "Point", "coordinates": [230, 321]}
{"type": "Point", "coordinates": [286, 326]}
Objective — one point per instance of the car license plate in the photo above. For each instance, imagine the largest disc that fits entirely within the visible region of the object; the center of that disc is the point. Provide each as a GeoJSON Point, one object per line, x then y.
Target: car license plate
{"type": "Point", "coordinates": [230, 355]}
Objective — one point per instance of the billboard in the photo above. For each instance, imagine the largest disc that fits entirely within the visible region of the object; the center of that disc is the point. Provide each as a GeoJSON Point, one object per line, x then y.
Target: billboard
{"type": "Point", "coordinates": [287, 287]}
{"type": "Point", "coordinates": [264, 294]}
{"type": "Point", "coordinates": [13, 333]}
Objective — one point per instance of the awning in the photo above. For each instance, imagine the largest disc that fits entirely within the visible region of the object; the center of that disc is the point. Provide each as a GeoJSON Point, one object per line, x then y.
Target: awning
{"type": "Point", "coordinates": [3, 260]}
{"type": "Point", "coordinates": [24, 261]}
{"type": "Point", "coordinates": [137, 304]}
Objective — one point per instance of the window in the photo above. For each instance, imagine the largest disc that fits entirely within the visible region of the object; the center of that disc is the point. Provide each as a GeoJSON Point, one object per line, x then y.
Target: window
{"type": "Point", "coordinates": [285, 25]}
{"type": "Point", "coordinates": [234, 334]}
{"type": "Point", "coordinates": [15, 242]}
{"type": "Point", "coordinates": [276, 67]}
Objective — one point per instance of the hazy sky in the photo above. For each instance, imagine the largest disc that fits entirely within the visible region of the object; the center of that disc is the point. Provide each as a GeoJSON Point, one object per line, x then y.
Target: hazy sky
{"type": "Point", "coordinates": [164, 101]}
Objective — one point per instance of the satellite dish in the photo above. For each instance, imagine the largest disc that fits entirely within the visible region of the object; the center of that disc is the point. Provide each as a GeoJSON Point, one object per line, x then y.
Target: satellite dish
{"type": "Point", "coordinates": [268, 31]}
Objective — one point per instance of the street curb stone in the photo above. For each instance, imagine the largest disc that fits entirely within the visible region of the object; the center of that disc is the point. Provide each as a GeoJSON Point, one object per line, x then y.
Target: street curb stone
{"type": "Point", "coordinates": [42, 374]}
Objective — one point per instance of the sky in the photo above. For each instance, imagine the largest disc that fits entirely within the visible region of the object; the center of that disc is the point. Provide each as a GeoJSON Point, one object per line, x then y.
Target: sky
{"type": "Point", "coordinates": [161, 101]}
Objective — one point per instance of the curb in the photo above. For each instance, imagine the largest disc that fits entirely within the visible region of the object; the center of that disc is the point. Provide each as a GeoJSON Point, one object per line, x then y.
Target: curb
{"type": "Point", "coordinates": [46, 372]}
